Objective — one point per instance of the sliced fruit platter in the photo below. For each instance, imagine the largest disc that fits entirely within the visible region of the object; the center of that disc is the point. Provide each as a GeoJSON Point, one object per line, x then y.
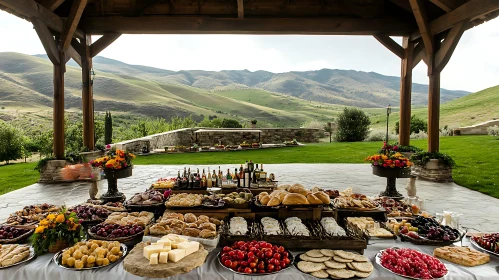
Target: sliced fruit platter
{"type": "Point", "coordinates": [14, 254]}
{"type": "Point", "coordinates": [10, 234]}
{"type": "Point", "coordinates": [488, 242]}
{"type": "Point", "coordinates": [92, 254]}
{"type": "Point", "coordinates": [411, 263]}
{"type": "Point", "coordinates": [255, 257]}
{"type": "Point", "coordinates": [429, 232]}
{"type": "Point", "coordinates": [335, 264]}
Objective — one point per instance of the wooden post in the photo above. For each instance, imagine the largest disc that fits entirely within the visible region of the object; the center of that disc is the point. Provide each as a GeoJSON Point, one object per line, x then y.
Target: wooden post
{"type": "Point", "coordinates": [87, 94]}
{"type": "Point", "coordinates": [59, 70]}
{"type": "Point", "coordinates": [405, 92]}
{"type": "Point", "coordinates": [434, 112]}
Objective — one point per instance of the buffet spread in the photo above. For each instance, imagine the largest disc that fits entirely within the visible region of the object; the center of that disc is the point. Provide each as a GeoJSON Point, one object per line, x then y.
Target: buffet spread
{"type": "Point", "coordinates": [286, 230]}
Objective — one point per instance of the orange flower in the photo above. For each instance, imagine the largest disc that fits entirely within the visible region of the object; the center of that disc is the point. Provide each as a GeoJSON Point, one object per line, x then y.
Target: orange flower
{"type": "Point", "coordinates": [40, 229]}
{"type": "Point", "coordinates": [60, 218]}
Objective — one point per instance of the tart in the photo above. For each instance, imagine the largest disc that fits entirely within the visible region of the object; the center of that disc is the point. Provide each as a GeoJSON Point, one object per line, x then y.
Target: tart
{"type": "Point", "coordinates": [461, 255]}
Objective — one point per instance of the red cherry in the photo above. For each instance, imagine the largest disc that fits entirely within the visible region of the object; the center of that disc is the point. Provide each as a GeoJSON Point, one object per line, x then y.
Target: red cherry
{"type": "Point", "coordinates": [268, 254]}
{"type": "Point", "coordinates": [228, 263]}
{"type": "Point", "coordinates": [240, 243]}
{"type": "Point", "coordinates": [252, 259]}
{"type": "Point", "coordinates": [260, 255]}
{"type": "Point", "coordinates": [280, 249]}
{"type": "Point", "coordinates": [261, 271]}
{"type": "Point", "coordinates": [261, 266]}
{"type": "Point", "coordinates": [282, 264]}
{"type": "Point", "coordinates": [257, 246]}
{"type": "Point", "coordinates": [248, 270]}
{"type": "Point", "coordinates": [252, 265]}
{"type": "Point", "coordinates": [232, 254]}
{"type": "Point", "coordinates": [270, 267]}
{"type": "Point", "coordinates": [277, 268]}
{"type": "Point", "coordinates": [234, 265]}
{"type": "Point", "coordinates": [244, 263]}
{"type": "Point", "coordinates": [277, 256]}
{"type": "Point", "coordinates": [240, 269]}
{"type": "Point", "coordinates": [286, 261]}
{"type": "Point", "coordinates": [240, 255]}
{"type": "Point", "coordinates": [251, 254]}
{"type": "Point", "coordinates": [252, 249]}
{"type": "Point", "coordinates": [285, 254]}
{"type": "Point", "coordinates": [269, 246]}
{"type": "Point", "coordinates": [227, 249]}
{"type": "Point", "coordinates": [224, 259]}
{"type": "Point", "coordinates": [275, 247]}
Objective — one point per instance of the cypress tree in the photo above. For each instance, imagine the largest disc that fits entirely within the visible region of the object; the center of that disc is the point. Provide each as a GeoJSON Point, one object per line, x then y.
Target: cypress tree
{"type": "Point", "coordinates": [108, 137]}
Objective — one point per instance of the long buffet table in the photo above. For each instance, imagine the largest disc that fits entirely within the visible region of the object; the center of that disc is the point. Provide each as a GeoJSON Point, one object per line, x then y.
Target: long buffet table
{"type": "Point", "coordinates": [43, 268]}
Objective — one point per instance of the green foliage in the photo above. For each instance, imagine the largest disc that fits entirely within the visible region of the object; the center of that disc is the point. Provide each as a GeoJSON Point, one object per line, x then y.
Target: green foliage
{"type": "Point", "coordinates": [409, 149]}
{"type": "Point", "coordinates": [417, 125]}
{"type": "Point", "coordinates": [353, 125]}
{"type": "Point", "coordinates": [11, 143]}
{"type": "Point", "coordinates": [145, 127]}
{"type": "Point", "coordinates": [421, 158]}
{"type": "Point", "coordinates": [254, 121]}
{"type": "Point", "coordinates": [43, 142]}
{"type": "Point", "coordinates": [230, 123]}
{"type": "Point", "coordinates": [42, 162]}
{"type": "Point", "coordinates": [108, 136]}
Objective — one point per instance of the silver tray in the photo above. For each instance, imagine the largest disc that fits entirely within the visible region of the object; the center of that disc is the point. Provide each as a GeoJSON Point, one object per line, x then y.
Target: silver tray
{"type": "Point", "coordinates": [290, 256]}
{"type": "Point", "coordinates": [378, 261]}
{"type": "Point", "coordinates": [31, 256]}
{"type": "Point", "coordinates": [58, 260]}
{"type": "Point", "coordinates": [480, 248]}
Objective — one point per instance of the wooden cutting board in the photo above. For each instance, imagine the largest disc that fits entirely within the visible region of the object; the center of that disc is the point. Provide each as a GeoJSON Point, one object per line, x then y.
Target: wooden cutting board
{"type": "Point", "coordinates": [136, 264]}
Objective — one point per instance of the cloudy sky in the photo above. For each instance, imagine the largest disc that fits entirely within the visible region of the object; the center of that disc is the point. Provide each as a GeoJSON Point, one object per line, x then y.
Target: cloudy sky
{"type": "Point", "coordinates": [474, 65]}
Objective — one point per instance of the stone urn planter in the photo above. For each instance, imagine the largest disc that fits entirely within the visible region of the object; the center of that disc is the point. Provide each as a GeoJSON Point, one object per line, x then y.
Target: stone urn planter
{"type": "Point", "coordinates": [112, 176]}
{"type": "Point", "coordinates": [407, 154]}
{"type": "Point", "coordinates": [391, 175]}
{"type": "Point", "coordinates": [432, 164]}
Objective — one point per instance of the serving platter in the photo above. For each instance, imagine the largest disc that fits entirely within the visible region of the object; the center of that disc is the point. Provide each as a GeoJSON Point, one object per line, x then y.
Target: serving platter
{"type": "Point", "coordinates": [480, 248]}
{"type": "Point", "coordinates": [17, 239]}
{"type": "Point", "coordinates": [290, 257]}
{"type": "Point", "coordinates": [58, 260]}
{"type": "Point", "coordinates": [31, 256]}
{"type": "Point", "coordinates": [378, 262]}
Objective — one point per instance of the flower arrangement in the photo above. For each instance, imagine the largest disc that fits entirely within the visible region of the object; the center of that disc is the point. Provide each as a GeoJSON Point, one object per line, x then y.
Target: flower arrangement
{"type": "Point", "coordinates": [61, 227]}
{"type": "Point", "coordinates": [389, 157]}
{"type": "Point", "coordinates": [117, 160]}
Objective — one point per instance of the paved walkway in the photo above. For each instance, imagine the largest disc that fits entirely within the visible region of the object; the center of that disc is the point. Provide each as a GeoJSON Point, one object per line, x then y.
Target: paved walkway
{"type": "Point", "coordinates": [480, 211]}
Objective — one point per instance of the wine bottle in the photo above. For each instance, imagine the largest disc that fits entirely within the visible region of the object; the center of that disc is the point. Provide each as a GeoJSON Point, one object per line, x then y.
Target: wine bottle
{"type": "Point", "coordinates": [263, 174]}
{"type": "Point", "coordinates": [214, 180]}
{"type": "Point", "coordinates": [185, 180]}
{"type": "Point", "coordinates": [191, 179]}
{"type": "Point", "coordinates": [208, 180]}
{"type": "Point", "coordinates": [241, 177]}
{"type": "Point", "coordinates": [203, 180]}
{"type": "Point", "coordinates": [197, 180]}
{"type": "Point", "coordinates": [178, 184]}
{"type": "Point", "coordinates": [247, 178]}
{"type": "Point", "coordinates": [255, 172]}
{"type": "Point", "coordinates": [229, 176]}
{"type": "Point", "coordinates": [236, 177]}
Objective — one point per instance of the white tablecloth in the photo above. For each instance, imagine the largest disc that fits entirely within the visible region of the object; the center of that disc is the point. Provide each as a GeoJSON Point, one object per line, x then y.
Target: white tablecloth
{"type": "Point", "coordinates": [43, 268]}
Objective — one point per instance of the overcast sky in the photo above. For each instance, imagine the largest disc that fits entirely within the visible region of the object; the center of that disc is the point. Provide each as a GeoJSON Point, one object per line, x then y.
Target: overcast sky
{"type": "Point", "coordinates": [474, 65]}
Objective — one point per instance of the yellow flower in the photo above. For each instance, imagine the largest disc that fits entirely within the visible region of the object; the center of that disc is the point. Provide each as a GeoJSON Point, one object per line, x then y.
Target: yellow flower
{"type": "Point", "coordinates": [384, 157]}
{"type": "Point", "coordinates": [40, 229]}
{"type": "Point", "coordinates": [72, 219]}
{"type": "Point", "coordinates": [60, 218]}
{"type": "Point", "coordinates": [44, 222]}
{"type": "Point", "coordinates": [51, 217]}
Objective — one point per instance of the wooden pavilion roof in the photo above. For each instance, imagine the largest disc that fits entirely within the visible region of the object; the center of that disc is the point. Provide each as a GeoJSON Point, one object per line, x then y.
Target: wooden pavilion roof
{"type": "Point", "coordinates": [337, 17]}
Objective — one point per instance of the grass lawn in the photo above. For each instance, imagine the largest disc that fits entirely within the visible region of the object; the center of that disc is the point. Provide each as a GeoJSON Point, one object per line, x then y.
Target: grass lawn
{"type": "Point", "coordinates": [476, 157]}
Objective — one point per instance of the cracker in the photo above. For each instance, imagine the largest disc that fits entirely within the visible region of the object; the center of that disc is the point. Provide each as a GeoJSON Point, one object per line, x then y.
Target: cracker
{"type": "Point", "coordinates": [360, 258]}
{"type": "Point", "coordinates": [320, 274]}
{"type": "Point", "coordinates": [335, 264]}
{"type": "Point", "coordinates": [314, 253]}
{"type": "Point", "coordinates": [304, 257]}
{"type": "Point", "coordinates": [341, 273]}
{"type": "Point", "coordinates": [363, 266]}
{"type": "Point", "coordinates": [344, 254]}
{"type": "Point", "coordinates": [309, 267]}
{"type": "Point", "coordinates": [318, 260]}
{"type": "Point", "coordinates": [342, 260]}
{"type": "Point", "coordinates": [327, 252]}
{"type": "Point", "coordinates": [362, 274]}
{"type": "Point", "coordinates": [349, 265]}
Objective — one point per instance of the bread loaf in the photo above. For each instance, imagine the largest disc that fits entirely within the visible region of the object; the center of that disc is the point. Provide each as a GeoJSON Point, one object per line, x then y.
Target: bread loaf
{"type": "Point", "coordinates": [323, 196]}
{"type": "Point", "coordinates": [274, 202]}
{"type": "Point", "coordinates": [264, 199]}
{"type": "Point", "coordinates": [312, 199]}
{"type": "Point", "coordinates": [294, 199]}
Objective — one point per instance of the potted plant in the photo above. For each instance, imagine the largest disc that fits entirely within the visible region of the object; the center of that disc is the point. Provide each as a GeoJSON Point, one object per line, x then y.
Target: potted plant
{"type": "Point", "coordinates": [194, 148]}
{"type": "Point", "coordinates": [432, 160]}
{"type": "Point", "coordinates": [56, 232]}
{"type": "Point", "coordinates": [116, 165]}
{"type": "Point", "coordinates": [253, 123]}
{"type": "Point", "coordinates": [407, 151]}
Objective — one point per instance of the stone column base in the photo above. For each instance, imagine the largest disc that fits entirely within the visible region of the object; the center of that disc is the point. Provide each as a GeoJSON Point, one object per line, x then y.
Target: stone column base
{"type": "Point", "coordinates": [440, 175]}
{"type": "Point", "coordinates": [51, 172]}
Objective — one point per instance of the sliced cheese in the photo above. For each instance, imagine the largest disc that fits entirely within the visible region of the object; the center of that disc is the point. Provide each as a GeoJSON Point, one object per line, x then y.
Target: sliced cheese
{"type": "Point", "coordinates": [163, 257]}
{"type": "Point", "coordinates": [154, 259]}
{"type": "Point", "coordinates": [176, 255]}
{"type": "Point", "coordinates": [152, 249]}
{"type": "Point", "coordinates": [189, 247]}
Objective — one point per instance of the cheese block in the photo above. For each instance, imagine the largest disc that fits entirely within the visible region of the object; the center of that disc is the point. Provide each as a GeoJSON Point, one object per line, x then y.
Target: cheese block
{"type": "Point", "coordinates": [152, 249]}
{"type": "Point", "coordinates": [167, 249]}
{"type": "Point", "coordinates": [163, 257]}
{"type": "Point", "coordinates": [153, 259]}
{"type": "Point", "coordinates": [165, 242]}
{"type": "Point", "coordinates": [176, 255]}
{"type": "Point", "coordinates": [189, 247]}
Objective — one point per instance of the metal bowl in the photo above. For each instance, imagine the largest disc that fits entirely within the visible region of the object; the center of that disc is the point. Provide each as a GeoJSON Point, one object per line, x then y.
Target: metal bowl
{"type": "Point", "coordinates": [480, 248]}
{"type": "Point", "coordinates": [58, 260]}
{"type": "Point", "coordinates": [378, 262]}
{"type": "Point", "coordinates": [31, 256]}
{"type": "Point", "coordinates": [290, 256]}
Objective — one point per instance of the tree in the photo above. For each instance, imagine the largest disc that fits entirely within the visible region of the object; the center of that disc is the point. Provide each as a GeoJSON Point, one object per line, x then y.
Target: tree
{"type": "Point", "coordinates": [108, 123]}
{"type": "Point", "coordinates": [417, 125]}
{"type": "Point", "coordinates": [11, 143]}
{"type": "Point", "coordinates": [353, 125]}
{"type": "Point", "coordinates": [230, 123]}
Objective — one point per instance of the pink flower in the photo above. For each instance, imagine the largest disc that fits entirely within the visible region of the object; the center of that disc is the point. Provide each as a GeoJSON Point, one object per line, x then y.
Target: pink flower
{"type": "Point", "coordinates": [395, 148]}
{"type": "Point", "coordinates": [108, 147]}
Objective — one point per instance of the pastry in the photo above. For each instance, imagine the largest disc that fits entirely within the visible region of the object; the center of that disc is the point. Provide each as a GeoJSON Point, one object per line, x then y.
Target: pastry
{"type": "Point", "coordinates": [265, 199]}
{"type": "Point", "coordinates": [217, 222]}
{"type": "Point", "coordinates": [204, 218]}
{"type": "Point", "coordinates": [344, 254]}
{"type": "Point", "coordinates": [341, 273]}
{"type": "Point", "coordinates": [341, 260]}
{"type": "Point", "coordinates": [194, 232]}
{"type": "Point", "coordinates": [461, 255]}
{"type": "Point", "coordinates": [331, 227]}
{"type": "Point", "coordinates": [274, 202]}
{"type": "Point", "coordinates": [271, 226]}
{"type": "Point", "coordinates": [363, 266]}
{"type": "Point", "coordinates": [312, 199]}
{"type": "Point", "coordinates": [190, 218]}
{"type": "Point", "coordinates": [296, 227]}
{"type": "Point", "coordinates": [299, 190]}
{"type": "Point", "coordinates": [323, 197]}
{"type": "Point", "coordinates": [205, 233]}
{"type": "Point", "coordinates": [208, 226]}
{"type": "Point", "coordinates": [294, 199]}
{"type": "Point", "coordinates": [238, 226]}
{"type": "Point", "coordinates": [362, 274]}
{"type": "Point", "coordinates": [327, 252]}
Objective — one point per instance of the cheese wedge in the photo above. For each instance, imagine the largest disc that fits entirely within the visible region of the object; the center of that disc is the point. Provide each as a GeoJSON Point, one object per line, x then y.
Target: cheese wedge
{"type": "Point", "coordinates": [163, 257]}
{"type": "Point", "coordinates": [152, 249]}
{"type": "Point", "coordinates": [154, 259]}
{"type": "Point", "coordinates": [176, 255]}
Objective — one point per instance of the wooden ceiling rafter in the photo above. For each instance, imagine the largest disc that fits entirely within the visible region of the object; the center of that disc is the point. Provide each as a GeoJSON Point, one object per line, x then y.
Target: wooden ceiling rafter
{"type": "Point", "coordinates": [51, 4]}
{"type": "Point", "coordinates": [102, 43]}
{"type": "Point", "coordinates": [72, 23]}
{"type": "Point", "coordinates": [240, 9]}
{"type": "Point", "coordinates": [390, 44]}
{"type": "Point", "coordinates": [48, 41]}
{"type": "Point", "coordinates": [419, 54]}
{"type": "Point", "coordinates": [447, 5]}
{"type": "Point", "coordinates": [419, 11]}
{"type": "Point", "coordinates": [74, 54]}
{"type": "Point", "coordinates": [142, 5]}
{"type": "Point", "coordinates": [448, 46]}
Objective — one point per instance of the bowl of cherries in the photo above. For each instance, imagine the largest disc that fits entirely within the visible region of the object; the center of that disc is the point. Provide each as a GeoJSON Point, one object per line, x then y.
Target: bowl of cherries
{"type": "Point", "coordinates": [10, 234]}
{"type": "Point", "coordinates": [255, 258]}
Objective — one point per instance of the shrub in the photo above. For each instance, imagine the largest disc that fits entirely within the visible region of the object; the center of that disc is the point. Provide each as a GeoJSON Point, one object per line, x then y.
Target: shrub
{"type": "Point", "coordinates": [230, 123]}
{"type": "Point", "coordinates": [446, 131]}
{"type": "Point", "coordinates": [417, 125]}
{"type": "Point", "coordinates": [108, 123]}
{"type": "Point", "coordinates": [353, 125]}
{"type": "Point", "coordinates": [379, 135]}
{"type": "Point", "coordinates": [11, 143]}
{"type": "Point", "coordinates": [420, 135]}
{"type": "Point", "coordinates": [493, 130]}
{"type": "Point", "coordinates": [422, 157]}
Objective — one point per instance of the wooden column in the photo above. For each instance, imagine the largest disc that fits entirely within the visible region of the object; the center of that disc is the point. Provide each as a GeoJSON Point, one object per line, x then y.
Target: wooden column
{"type": "Point", "coordinates": [405, 92]}
{"type": "Point", "coordinates": [87, 94]}
{"type": "Point", "coordinates": [59, 70]}
{"type": "Point", "coordinates": [434, 111]}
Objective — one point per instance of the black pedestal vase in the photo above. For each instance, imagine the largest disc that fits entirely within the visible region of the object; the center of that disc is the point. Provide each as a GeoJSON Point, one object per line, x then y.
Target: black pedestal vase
{"type": "Point", "coordinates": [112, 176]}
{"type": "Point", "coordinates": [391, 175]}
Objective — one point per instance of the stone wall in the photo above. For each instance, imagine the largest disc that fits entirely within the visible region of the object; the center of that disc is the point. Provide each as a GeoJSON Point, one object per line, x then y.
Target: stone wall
{"type": "Point", "coordinates": [477, 129]}
{"type": "Point", "coordinates": [187, 136]}
{"type": "Point", "coordinates": [440, 175]}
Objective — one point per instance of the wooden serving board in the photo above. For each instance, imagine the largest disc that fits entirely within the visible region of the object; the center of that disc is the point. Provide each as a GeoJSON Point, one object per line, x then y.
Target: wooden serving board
{"type": "Point", "coordinates": [136, 264]}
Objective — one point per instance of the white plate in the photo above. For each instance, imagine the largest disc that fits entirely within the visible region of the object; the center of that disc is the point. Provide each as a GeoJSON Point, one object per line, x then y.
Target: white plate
{"type": "Point", "coordinates": [31, 256]}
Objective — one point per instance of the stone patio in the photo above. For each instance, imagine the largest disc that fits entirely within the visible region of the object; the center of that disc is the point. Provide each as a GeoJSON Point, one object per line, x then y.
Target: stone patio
{"type": "Point", "coordinates": [479, 210]}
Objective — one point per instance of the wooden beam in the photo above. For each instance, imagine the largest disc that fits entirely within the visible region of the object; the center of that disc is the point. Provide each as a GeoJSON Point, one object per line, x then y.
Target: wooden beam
{"type": "Point", "coordinates": [403, 4]}
{"type": "Point", "coordinates": [390, 44]}
{"type": "Point", "coordinates": [424, 27]}
{"type": "Point", "coordinates": [434, 112]}
{"type": "Point", "coordinates": [447, 5]}
{"type": "Point", "coordinates": [102, 43]}
{"type": "Point", "coordinates": [240, 9]}
{"type": "Point", "coordinates": [204, 25]}
{"type": "Point", "coordinates": [73, 53]}
{"type": "Point", "coordinates": [419, 54]}
{"type": "Point", "coordinates": [31, 9]}
{"type": "Point", "coordinates": [51, 4]}
{"type": "Point", "coordinates": [47, 39]}
{"type": "Point", "coordinates": [445, 52]}
{"type": "Point", "coordinates": [142, 5]}
{"type": "Point", "coordinates": [469, 11]}
{"type": "Point", "coordinates": [72, 23]}
{"type": "Point", "coordinates": [87, 95]}
{"type": "Point", "coordinates": [58, 117]}
{"type": "Point", "coordinates": [405, 92]}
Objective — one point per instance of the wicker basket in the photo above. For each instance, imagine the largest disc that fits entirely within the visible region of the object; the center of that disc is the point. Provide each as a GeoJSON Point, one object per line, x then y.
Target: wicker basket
{"type": "Point", "coordinates": [58, 246]}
